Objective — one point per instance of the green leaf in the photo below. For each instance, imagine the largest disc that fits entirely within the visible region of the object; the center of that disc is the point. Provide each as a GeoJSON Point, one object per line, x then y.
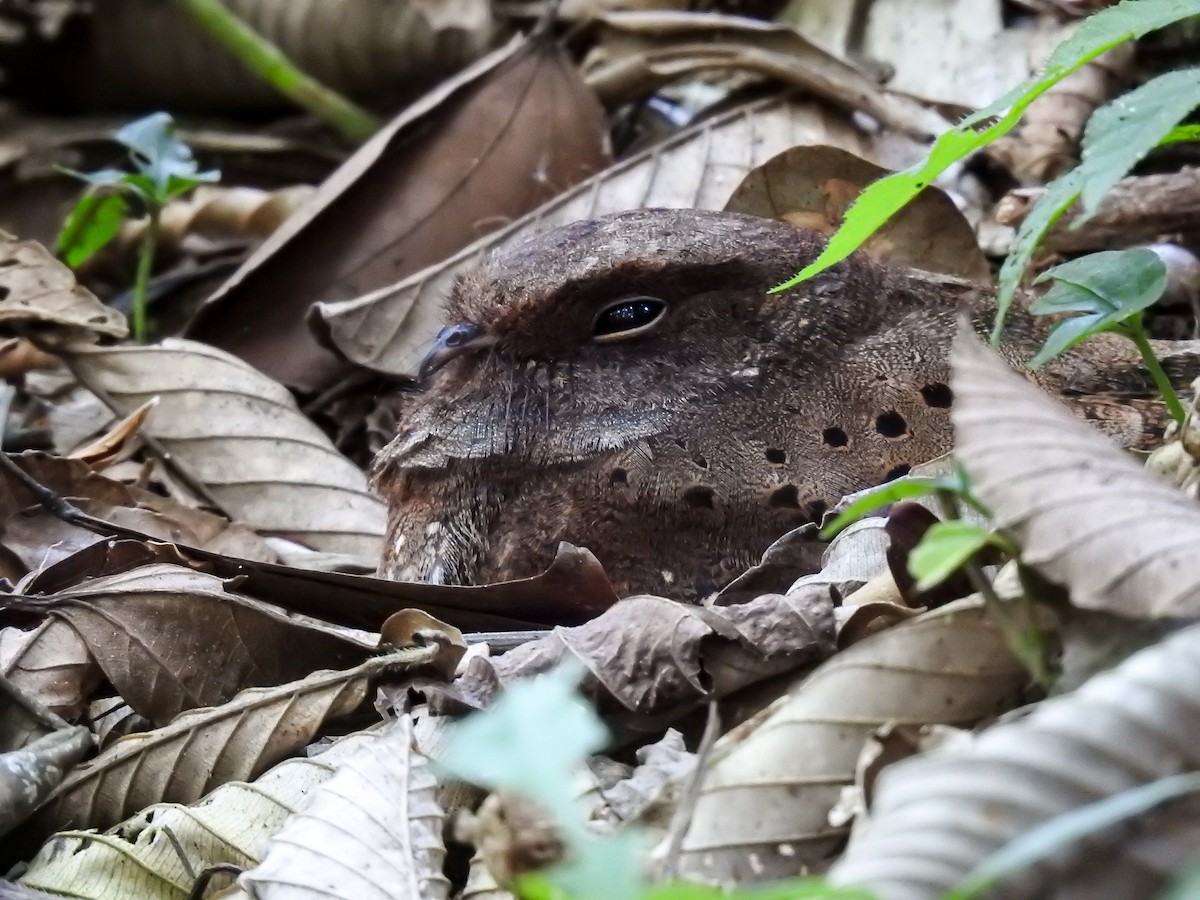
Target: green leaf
{"type": "Point", "coordinates": [1061, 832]}
{"type": "Point", "coordinates": [1065, 335]}
{"type": "Point", "coordinates": [795, 889]}
{"type": "Point", "coordinates": [1108, 288]}
{"type": "Point", "coordinates": [1123, 281]}
{"type": "Point", "coordinates": [944, 549]}
{"type": "Point", "coordinates": [530, 741]}
{"type": "Point", "coordinates": [892, 492]}
{"type": "Point", "coordinates": [1058, 197]}
{"type": "Point", "coordinates": [1182, 133]}
{"type": "Point", "coordinates": [907, 488]}
{"type": "Point", "coordinates": [1095, 35]}
{"type": "Point", "coordinates": [1120, 134]}
{"type": "Point", "coordinates": [94, 222]}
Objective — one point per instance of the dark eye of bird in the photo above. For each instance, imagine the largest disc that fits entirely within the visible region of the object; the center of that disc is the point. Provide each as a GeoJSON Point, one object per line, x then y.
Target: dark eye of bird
{"type": "Point", "coordinates": [627, 318]}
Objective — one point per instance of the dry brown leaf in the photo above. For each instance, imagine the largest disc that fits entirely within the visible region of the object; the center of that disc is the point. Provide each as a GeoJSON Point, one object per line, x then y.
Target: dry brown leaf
{"type": "Point", "coordinates": [39, 292]}
{"type": "Point", "coordinates": [812, 187]}
{"type": "Point", "coordinates": [936, 817]}
{"type": "Point", "coordinates": [388, 330]}
{"type": "Point", "coordinates": [242, 436]}
{"type": "Point", "coordinates": [39, 539]}
{"type": "Point", "coordinates": [375, 49]}
{"type": "Point", "coordinates": [19, 355]}
{"type": "Point", "coordinates": [651, 660]}
{"type": "Point", "coordinates": [640, 51]}
{"type": "Point", "coordinates": [478, 152]}
{"type": "Point", "coordinates": [1085, 514]}
{"type": "Point", "coordinates": [116, 441]}
{"type": "Point", "coordinates": [573, 589]}
{"type": "Point", "coordinates": [50, 662]}
{"type": "Point", "coordinates": [162, 847]}
{"type": "Point", "coordinates": [205, 748]}
{"type": "Point", "coordinates": [373, 831]}
{"type": "Point", "coordinates": [170, 639]}
{"type": "Point", "coordinates": [763, 808]}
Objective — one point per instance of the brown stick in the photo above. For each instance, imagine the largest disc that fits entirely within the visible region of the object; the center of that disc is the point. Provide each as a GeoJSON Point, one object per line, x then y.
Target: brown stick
{"type": "Point", "coordinates": [1138, 209]}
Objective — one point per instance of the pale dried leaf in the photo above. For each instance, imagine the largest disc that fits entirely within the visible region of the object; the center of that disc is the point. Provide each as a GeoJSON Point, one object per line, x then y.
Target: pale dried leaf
{"type": "Point", "coordinates": [764, 805]}
{"type": "Point", "coordinates": [38, 291]}
{"type": "Point", "coordinates": [937, 817]}
{"type": "Point", "coordinates": [159, 850]}
{"type": "Point", "coordinates": [170, 639]}
{"type": "Point", "coordinates": [1085, 514]}
{"type": "Point", "coordinates": [242, 435]}
{"type": "Point", "coordinates": [651, 659]}
{"type": "Point", "coordinates": [205, 748]}
{"type": "Point", "coordinates": [373, 831]}
{"type": "Point", "coordinates": [388, 330]}
{"type": "Point", "coordinates": [115, 442]}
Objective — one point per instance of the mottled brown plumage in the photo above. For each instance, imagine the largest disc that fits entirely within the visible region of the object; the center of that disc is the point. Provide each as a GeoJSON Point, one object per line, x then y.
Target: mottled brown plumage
{"type": "Point", "coordinates": [679, 455]}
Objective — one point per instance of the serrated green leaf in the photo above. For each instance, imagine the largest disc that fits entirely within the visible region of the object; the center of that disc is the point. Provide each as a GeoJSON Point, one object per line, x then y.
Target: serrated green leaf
{"type": "Point", "coordinates": [1058, 197]}
{"type": "Point", "coordinates": [882, 199]}
{"type": "Point", "coordinates": [943, 550]}
{"type": "Point", "coordinates": [1181, 133]}
{"type": "Point", "coordinates": [93, 223]}
{"type": "Point", "coordinates": [1120, 134]}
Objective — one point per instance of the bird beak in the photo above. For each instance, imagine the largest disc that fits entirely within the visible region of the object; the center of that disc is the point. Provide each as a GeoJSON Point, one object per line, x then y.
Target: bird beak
{"type": "Point", "coordinates": [451, 342]}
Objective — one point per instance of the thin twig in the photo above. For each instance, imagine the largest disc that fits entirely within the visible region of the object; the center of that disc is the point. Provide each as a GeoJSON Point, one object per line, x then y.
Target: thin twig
{"type": "Point", "coordinates": [269, 63]}
{"type": "Point", "coordinates": [686, 809]}
{"type": "Point", "coordinates": [64, 509]}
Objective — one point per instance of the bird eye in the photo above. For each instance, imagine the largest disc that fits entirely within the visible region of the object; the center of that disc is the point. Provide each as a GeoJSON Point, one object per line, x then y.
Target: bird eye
{"type": "Point", "coordinates": [627, 318]}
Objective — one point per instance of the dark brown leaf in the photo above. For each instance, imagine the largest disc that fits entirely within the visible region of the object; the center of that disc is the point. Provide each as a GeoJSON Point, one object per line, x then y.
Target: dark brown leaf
{"type": "Point", "coordinates": [509, 133]}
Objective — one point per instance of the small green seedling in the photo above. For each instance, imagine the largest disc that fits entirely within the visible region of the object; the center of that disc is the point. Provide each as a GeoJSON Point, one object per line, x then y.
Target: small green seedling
{"type": "Point", "coordinates": [164, 168]}
{"type": "Point", "coordinates": [1098, 33]}
{"type": "Point", "coordinates": [946, 547]}
{"type": "Point", "coordinates": [954, 485]}
{"type": "Point", "coordinates": [1106, 292]}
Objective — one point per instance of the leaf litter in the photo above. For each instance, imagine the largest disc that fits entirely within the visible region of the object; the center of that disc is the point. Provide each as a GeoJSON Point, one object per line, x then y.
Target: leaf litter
{"type": "Point", "coordinates": [193, 562]}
